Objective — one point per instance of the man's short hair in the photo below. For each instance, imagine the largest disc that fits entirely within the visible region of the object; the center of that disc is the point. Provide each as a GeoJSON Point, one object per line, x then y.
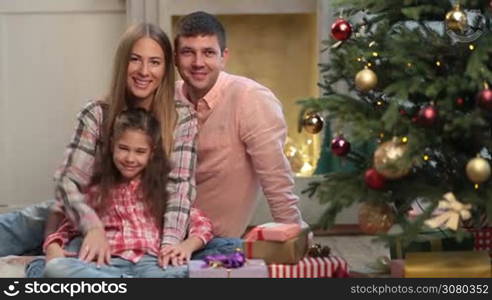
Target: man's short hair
{"type": "Point", "coordinates": [200, 23]}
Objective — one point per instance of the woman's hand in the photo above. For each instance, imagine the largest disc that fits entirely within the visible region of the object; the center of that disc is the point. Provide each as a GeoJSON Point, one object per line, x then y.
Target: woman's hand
{"type": "Point", "coordinates": [54, 250]}
{"type": "Point", "coordinates": [95, 247]}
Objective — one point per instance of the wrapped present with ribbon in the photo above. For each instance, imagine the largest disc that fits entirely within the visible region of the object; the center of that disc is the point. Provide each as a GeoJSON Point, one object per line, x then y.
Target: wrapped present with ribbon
{"type": "Point", "coordinates": [311, 267]}
{"type": "Point", "coordinates": [273, 232]}
{"type": "Point", "coordinates": [288, 252]}
{"type": "Point", "coordinates": [234, 265]}
{"type": "Point", "coordinates": [451, 264]}
{"type": "Point", "coordinates": [430, 241]}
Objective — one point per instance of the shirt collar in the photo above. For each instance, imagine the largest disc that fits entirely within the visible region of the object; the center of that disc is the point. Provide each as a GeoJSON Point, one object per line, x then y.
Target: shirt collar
{"type": "Point", "coordinates": [213, 96]}
{"type": "Point", "coordinates": [132, 185]}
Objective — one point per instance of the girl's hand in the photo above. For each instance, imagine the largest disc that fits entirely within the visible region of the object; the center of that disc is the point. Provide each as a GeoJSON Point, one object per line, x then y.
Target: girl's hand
{"type": "Point", "coordinates": [179, 254]}
{"type": "Point", "coordinates": [175, 255]}
{"type": "Point", "coordinates": [54, 250]}
{"type": "Point", "coordinates": [95, 247]}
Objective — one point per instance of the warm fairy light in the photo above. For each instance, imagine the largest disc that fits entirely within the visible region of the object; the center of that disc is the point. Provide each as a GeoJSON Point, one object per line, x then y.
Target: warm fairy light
{"type": "Point", "coordinates": [375, 54]}
{"type": "Point", "coordinates": [309, 141]}
{"type": "Point", "coordinates": [369, 65]}
{"type": "Point", "coordinates": [381, 135]}
{"type": "Point", "coordinates": [409, 65]}
{"type": "Point", "coordinates": [471, 47]}
{"type": "Point", "coordinates": [476, 186]}
{"type": "Point", "coordinates": [438, 63]}
{"type": "Point", "coordinates": [379, 103]}
{"type": "Point", "coordinates": [426, 157]}
{"type": "Point", "coordinates": [307, 169]}
{"type": "Point", "coordinates": [404, 139]}
{"type": "Point", "coordinates": [359, 59]}
{"type": "Point", "coordinates": [372, 44]}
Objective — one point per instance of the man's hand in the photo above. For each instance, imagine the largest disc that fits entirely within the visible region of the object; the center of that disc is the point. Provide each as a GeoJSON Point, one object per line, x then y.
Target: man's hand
{"type": "Point", "coordinates": [54, 250]}
{"type": "Point", "coordinates": [95, 247]}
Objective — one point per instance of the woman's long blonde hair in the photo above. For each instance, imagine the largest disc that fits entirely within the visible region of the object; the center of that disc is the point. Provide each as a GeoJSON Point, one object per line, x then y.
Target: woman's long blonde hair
{"type": "Point", "coordinates": [163, 106]}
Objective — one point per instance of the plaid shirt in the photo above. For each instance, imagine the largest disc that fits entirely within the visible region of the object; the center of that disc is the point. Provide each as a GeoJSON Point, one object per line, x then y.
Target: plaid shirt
{"type": "Point", "coordinates": [76, 171]}
{"type": "Point", "coordinates": [128, 236]}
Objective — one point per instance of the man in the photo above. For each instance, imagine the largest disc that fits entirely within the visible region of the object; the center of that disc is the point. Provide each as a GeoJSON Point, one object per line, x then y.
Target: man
{"type": "Point", "coordinates": [241, 132]}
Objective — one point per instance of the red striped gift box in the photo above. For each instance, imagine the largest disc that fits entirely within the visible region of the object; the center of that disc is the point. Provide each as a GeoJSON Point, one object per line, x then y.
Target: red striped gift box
{"type": "Point", "coordinates": [311, 267]}
{"type": "Point", "coordinates": [483, 238]}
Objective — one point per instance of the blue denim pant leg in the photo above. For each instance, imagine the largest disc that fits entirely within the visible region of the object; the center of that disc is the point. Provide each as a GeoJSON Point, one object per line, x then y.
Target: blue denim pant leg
{"type": "Point", "coordinates": [72, 267]}
{"type": "Point", "coordinates": [219, 246]}
{"type": "Point", "coordinates": [23, 231]}
{"type": "Point", "coordinates": [147, 267]}
{"type": "Point", "coordinates": [35, 269]}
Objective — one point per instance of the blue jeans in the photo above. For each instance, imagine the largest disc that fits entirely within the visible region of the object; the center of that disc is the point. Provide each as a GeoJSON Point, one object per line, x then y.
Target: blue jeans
{"type": "Point", "coordinates": [23, 231]}
{"type": "Point", "coordinates": [36, 268]}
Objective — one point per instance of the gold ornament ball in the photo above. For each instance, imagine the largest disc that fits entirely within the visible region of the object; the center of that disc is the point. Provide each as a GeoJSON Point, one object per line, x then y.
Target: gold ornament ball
{"type": "Point", "coordinates": [456, 19]}
{"type": "Point", "coordinates": [478, 170]}
{"type": "Point", "coordinates": [387, 159]}
{"type": "Point", "coordinates": [375, 217]}
{"type": "Point", "coordinates": [366, 80]}
{"type": "Point", "coordinates": [313, 123]}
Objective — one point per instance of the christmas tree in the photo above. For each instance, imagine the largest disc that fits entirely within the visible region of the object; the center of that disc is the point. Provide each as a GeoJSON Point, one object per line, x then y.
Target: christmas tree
{"type": "Point", "coordinates": [409, 109]}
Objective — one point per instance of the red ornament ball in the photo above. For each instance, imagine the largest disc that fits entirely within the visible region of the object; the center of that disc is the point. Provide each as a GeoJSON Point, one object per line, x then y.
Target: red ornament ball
{"type": "Point", "coordinates": [484, 99]}
{"type": "Point", "coordinates": [341, 30]}
{"type": "Point", "coordinates": [427, 115]}
{"type": "Point", "coordinates": [340, 146]}
{"type": "Point", "coordinates": [459, 101]}
{"type": "Point", "coordinates": [374, 180]}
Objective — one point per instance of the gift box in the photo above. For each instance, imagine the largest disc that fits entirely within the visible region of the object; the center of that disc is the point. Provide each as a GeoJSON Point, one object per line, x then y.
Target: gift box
{"type": "Point", "coordinates": [483, 238]}
{"type": "Point", "coordinates": [397, 268]}
{"type": "Point", "coordinates": [311, 267]}
{"type": "Point", "coordinates": [288, 252]}
{"type": "Point", "coordinates": [273, 232]}
{"type": "Point", "coordinates": [253, 268]}
{"type": "Point", "coordinates": [430, 242]}
{"type": "Point", "coordinates": [450, 264]}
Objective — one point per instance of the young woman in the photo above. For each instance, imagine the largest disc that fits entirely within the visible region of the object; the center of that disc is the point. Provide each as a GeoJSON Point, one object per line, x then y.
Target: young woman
{"type": "Point", "coordinates": [127, 194]}
{"type": "Point", "coordinates": [143, 77]}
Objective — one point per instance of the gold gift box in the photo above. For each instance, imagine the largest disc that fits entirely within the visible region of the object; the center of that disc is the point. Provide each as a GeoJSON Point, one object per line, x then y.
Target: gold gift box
{"type": "Point", "coordinates": [450, 264]}
{"type": "Point", "coordinates": [288, 252]}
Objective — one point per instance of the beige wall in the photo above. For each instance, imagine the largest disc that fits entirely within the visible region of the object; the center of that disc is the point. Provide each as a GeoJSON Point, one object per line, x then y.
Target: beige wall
{"type": "Point", "coordinates": [53, 57]}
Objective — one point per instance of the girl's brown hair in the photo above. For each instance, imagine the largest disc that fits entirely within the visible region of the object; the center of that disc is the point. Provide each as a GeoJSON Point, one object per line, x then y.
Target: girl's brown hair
{"type": "Point", "coordinates": [163, 105]}
{"type": "Point", "coordinates": [154, 175]}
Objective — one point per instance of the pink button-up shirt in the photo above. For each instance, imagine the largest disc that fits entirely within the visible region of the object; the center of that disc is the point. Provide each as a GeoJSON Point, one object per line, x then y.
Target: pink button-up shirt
{"type": "Point", "coordinates": [241, 134]}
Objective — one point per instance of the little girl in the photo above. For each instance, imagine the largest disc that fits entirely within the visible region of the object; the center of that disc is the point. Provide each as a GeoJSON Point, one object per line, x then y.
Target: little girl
{"type": "Point", "coordinates": [129, 195]}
